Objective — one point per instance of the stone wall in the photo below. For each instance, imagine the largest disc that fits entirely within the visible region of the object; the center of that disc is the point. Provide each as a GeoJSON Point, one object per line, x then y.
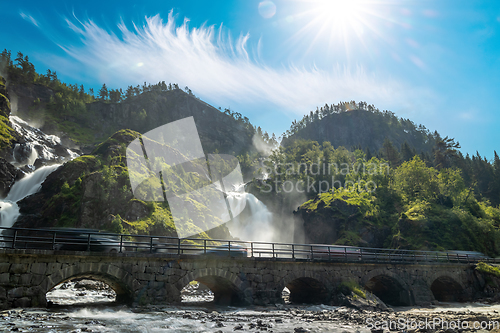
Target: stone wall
{"type": "Point", "coordinates": [27, 275]}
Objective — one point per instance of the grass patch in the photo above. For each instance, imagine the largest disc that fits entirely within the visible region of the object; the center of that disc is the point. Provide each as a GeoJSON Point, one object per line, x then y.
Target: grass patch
{"type": "Point", "coordinates": [5, 133]}
{"type": "Point", "coordinates": [488, 269]}
{"type": "Point", "coordinates": [354, 287]}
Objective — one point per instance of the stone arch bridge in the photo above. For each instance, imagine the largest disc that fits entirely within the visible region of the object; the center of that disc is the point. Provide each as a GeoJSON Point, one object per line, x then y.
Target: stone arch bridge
{"type": "Point", "coordinates": [27, 275]}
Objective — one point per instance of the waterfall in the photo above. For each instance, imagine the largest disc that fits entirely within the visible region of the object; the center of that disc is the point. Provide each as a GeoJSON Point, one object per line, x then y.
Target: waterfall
{"type": "Point", "coordinates": [255, 223]}
{"type": "Point", "coordinates": [38, 145]}
{"type": "Point", "coordinates": [31, 183]}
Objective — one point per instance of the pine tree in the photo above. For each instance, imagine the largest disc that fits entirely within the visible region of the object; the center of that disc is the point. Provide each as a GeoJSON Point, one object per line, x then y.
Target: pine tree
{"type": "Point", "coordinates": [445, 151]}
{"type": "Point", "coordinates": [406, 152]}
{"type": "Point", "coordinates": [103, 93]}
{"type": "Point", "coordinates": [368, 154]}
{"type": "Point", "coordinates": [390, 153]}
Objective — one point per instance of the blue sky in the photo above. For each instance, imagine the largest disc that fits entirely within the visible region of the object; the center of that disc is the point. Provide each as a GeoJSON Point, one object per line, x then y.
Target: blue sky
{"type": "Point", "coordinates": [435, 62]}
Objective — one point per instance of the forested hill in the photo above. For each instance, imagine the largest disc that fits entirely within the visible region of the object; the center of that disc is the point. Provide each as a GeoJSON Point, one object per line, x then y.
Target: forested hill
{"type": "Point", "coordinates": [87, 118]}
{"type": "Point", "coordinates": [363, 127]}
{"type": "Point", "coordinates": [90, 123]}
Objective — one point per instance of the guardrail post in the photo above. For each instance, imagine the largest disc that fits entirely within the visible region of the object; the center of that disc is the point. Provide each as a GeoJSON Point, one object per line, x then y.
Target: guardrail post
{"type": "Point", "coordinates": [88, 243]}
{"type": "Point", "coordinates": [273, 250]}
{"type": "Point", "coordinates": [121, 243]}
{"type": "Point", "coordinates": [229, 248]}
{"type": "Point", "coordinates": [293, 251]}
{"type": "Point", "coordinates": [179, 246]}
{"type": "Point", "coordinates": [14, 239]}
{"type": "Point", "coordinates": [345, 254]}
{"type": "Point", "coordinates": [204, 246]}
{"type": "Point", "coordinates": [54, 241]}
{"type": "Point", "coordinates": [447, 256]}
{"type": "Point", "coordinates": [251, 248]}
{"type": "Point", "coordinates": [329, 254]}
{"type": "Point", "coordinates": [151, 244]}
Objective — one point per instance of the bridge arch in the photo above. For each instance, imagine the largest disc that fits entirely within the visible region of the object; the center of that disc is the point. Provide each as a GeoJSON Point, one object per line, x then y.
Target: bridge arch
{"type": "Point", "coordinates": [227, 287]}
{"type": "Point", "coordinates": [444, 288]}
{"type": "Point", "coordinates": [123, 283]}
{"type": "Point", "coordinates": [387, 286]}
{"type": "Point", "coordinates": [306, 288]}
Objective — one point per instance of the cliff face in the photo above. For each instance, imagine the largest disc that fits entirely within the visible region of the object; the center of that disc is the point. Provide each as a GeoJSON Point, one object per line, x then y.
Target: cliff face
{"type": "Point", "coordinates": [94, 191]}
{"type": "Point", "coordinates": [142, 113]}
{"type": "Point", "coordinates": [363, 128]}
{"type": "Point", "coordinates": [8, 138]}
{"type": "Point", "coordinates": [68, 194]}
{"type": "Point", "coordinates": [340, 222]}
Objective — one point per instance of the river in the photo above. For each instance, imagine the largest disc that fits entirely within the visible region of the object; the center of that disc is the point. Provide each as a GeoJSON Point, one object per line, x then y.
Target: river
{"type": "Point", "coordinates": [90, 309]}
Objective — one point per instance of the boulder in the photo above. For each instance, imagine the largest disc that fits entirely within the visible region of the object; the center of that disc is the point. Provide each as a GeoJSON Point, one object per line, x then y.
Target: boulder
{"type": "Point", "coordinates": [8, 175]}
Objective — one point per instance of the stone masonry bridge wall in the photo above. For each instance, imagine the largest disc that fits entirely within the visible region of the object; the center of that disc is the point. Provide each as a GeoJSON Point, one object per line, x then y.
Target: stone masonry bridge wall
{"type": "Point", "coordinates": [27, 275]}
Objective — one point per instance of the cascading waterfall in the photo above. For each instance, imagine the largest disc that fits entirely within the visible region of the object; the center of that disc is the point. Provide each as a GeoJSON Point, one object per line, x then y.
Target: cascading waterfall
{"type": "Point", "coordinates": [253, 225]}
{"type": "Point", "coordinates": [29, 184]}
{"type": "Point", "coordinates": [36, 146]}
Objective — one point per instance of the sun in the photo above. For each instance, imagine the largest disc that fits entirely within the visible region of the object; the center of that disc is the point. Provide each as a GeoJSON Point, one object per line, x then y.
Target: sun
{"type": "Point", "coordinates": [339, 11]}
{"type": "Point", "coordinates": [340, 17]}
{"type": "Point", "coordinates": [338, 22]}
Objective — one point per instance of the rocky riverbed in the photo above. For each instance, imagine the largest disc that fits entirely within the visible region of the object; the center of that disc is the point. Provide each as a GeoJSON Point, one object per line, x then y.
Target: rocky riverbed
{"type": "Point", "coordinates": [446, 318]}
{"type": "Point", "coordinates": [87, 306]}
{"type": "Point", "coordinates": [81, 291]}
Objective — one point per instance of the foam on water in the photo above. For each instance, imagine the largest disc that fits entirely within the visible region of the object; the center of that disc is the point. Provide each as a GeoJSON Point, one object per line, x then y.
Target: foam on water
{"type": "Point", "coordinates": [31, 183]}
{"type": "Point", "coordinates": [254, 226]}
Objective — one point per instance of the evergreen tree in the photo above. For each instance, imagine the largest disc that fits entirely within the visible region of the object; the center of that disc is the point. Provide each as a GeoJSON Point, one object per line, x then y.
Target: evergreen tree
{"type": "Point", "coordinates": [406, 152]}
{"type": "Point", "coordinates": [445, 151]}
{"type": "Point", "coordinates": [103, 93]}
{"type": "Point", "coordinates": [390, 153]}
{"type": "Point", "coordinates": [495, 184]}
{"type": "Point", "coordinates": [368, 154]}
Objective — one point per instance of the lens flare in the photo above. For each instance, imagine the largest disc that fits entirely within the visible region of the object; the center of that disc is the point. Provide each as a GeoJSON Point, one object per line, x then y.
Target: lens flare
{"type": "Point", "coordinates": [267, 9]}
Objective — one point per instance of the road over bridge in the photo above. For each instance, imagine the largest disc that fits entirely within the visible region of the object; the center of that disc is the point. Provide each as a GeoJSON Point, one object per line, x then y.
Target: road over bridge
{"type": "Point", "coordinates": [26, 275]}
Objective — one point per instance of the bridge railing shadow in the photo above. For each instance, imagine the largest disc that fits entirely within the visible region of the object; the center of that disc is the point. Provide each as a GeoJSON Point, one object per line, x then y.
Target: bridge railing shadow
{"type": "Point", "coordinates": [90, 240]}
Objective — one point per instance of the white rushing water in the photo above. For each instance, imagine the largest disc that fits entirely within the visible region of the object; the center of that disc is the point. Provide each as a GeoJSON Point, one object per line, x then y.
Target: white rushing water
{"type": "Point", "coordinates": [38, 145]}
{"type": "Point", "coordinates": [254, 225]}
{"type": "Point", "coordinates": [29, 184]}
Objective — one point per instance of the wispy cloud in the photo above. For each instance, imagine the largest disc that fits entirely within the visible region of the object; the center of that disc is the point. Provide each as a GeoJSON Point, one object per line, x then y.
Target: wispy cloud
{"type": "Point", "coordinates": [28, 18]}
{"type": "Point", "coordinates": [218, 67]}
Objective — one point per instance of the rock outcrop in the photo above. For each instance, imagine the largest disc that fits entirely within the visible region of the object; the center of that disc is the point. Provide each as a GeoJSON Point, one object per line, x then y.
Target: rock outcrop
{"type": "Point", "coordinates": [8, 175]}
{"type": "Point", "coordinates": [94, 191]}
{"type": "Point", "coordinates": [76, 194]}
{"type": "Point", "coordinates": [8, 138]}
{"type": "Point", "coordinates": [340, 223]}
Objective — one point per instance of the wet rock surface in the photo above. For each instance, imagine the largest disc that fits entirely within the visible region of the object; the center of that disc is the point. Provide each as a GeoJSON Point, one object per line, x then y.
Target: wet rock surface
{"type": "Point", "coordinates": [8, 175]}
{"type": "Point", "coordinates": [284, 318]}
{"type": "Point", "coordinates": [81, 291]}
{"type": "Point", "coordinates": [196, 292]}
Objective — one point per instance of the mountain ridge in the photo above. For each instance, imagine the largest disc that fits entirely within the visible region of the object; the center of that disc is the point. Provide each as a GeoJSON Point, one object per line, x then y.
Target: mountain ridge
{"type": "Point", "coordinates": [367, 129]}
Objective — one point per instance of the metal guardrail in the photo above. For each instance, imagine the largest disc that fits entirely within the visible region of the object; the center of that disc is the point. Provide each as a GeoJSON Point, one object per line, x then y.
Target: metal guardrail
{"type": "Point", "coordinates": [93, 240]}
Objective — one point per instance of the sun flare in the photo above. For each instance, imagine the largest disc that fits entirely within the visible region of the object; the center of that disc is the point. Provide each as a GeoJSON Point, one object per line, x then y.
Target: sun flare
{"type": "Point", "coordinates": [339, 11]}
{"type": "Point", "coordinates": [338, 23]}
